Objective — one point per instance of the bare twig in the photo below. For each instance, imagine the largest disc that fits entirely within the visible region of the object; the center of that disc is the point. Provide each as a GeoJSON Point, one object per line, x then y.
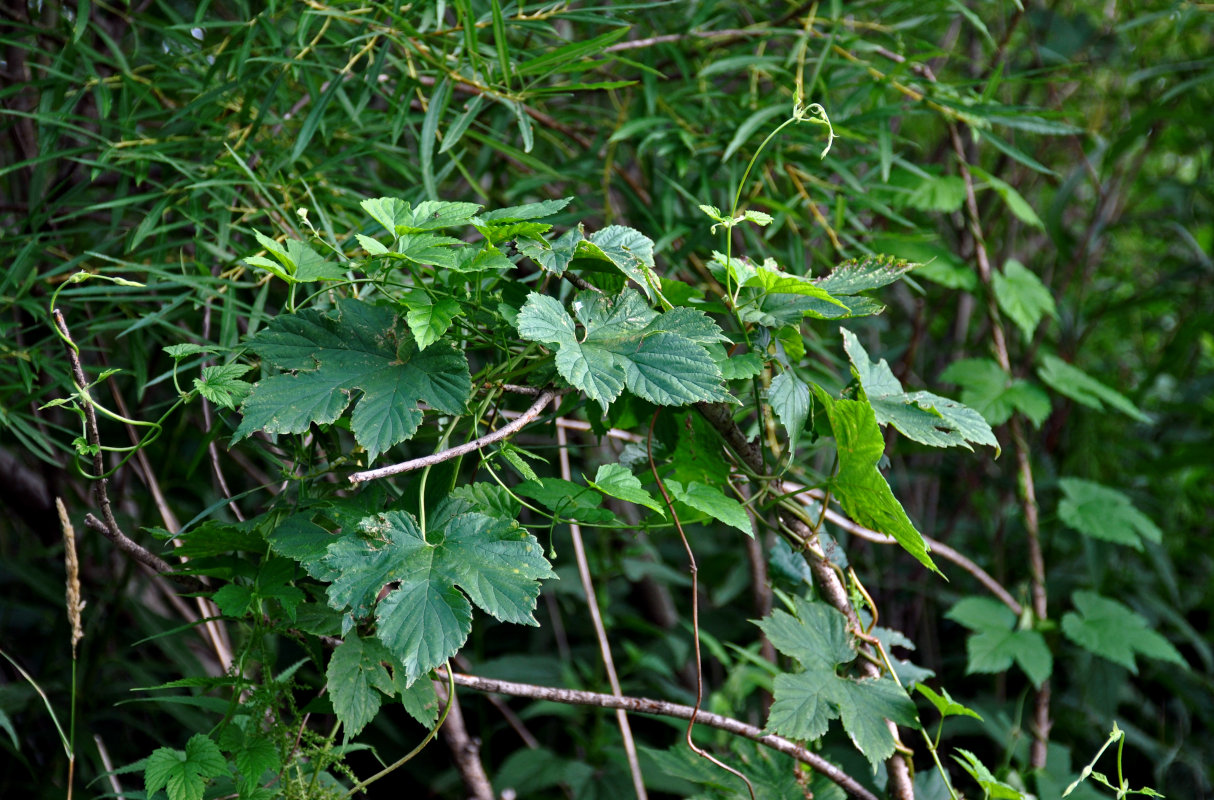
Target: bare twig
{"type": "Point", "coordinates": [1028, 494]}
{"type": "Point", "coordinates": [520, 422]}
{"type": "Point", "coordinates": [725, 33]}
{"type": "Point", "coordinates": [142, 555]}
{"type": "Point", "coordinates": [578, 425]}
{"type": "Point", "coordinates": [465, 751]}
{"type": "Point", "coordinates": [106, 762]}
{"type": "Point", "coordinates": [643, 705]}
{"type": "Point", "coordinates": [213, 630]}
{"type": "Point", "coordinates": [600, 631]}
{"type": "Point", "coordinates": [937, 547]}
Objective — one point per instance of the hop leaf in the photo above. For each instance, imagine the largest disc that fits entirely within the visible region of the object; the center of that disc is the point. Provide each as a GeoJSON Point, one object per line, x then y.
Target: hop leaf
{"type": "Point", "coordinates": [466, 557]}
{"type": "Point", "coordinates": [660, 357]}
{"type": "Point", "coordinates": [363, 349]}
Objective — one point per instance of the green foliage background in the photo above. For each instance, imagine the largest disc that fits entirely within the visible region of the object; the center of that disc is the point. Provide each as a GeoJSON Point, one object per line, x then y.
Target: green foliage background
{"type": "Point", "coordinates": [150, 142]}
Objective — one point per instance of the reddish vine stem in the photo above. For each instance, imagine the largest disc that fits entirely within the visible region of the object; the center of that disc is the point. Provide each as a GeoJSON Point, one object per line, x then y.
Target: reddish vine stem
{"type": "Point", "coordinates": [695, 616]}
{"type": "Point", "coordinates": [1028, 493]}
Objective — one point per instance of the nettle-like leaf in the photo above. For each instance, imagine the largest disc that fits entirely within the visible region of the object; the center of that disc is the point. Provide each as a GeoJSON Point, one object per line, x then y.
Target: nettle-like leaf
{"type": "Point", "coordinates": [992, 787]}
{"type": "Point", "coordinates": [925, 417]}
{"type": "Point", "coordinates": [1103, 513]}
{"type": "Point", "coordinates": [401, 217]}
{"type": "Point", "coordinates": [772, 298]}
{"type": "Point", "coordinates": [357, 681]}
{"type": "Point", "coordinates": [184, 775]}
{"type": "Point", "coordinates": [864, 274]}
{"type": "Point", "coordinates": [789, 398]}
{"type": "Point", "coordinates": [1114, 631]}
{"type": "Point", "coordinates": [1076, 384]}
{"type": "Point", "coordinates": [806, 701]}
{"type": "Point", "coordinates": [364, 350]}
{"type": "Point", "coordinates": [997, 640]}
{"type": "Point", "coordinates": [431, 577]}
{"type": "Point", "coordinates": [624, 343]}
{"type": "Point", "coordinates": [629, 250]}
{"type": "Point", "coordinates": [616, 480]}
{"type": "Point", "coordinates": [295, 262]}
{"type": "Point", "coordinates": [429, 318]}
{"type": "Point", "coordinates": [994, 394]}
{"type": "Point", "coordinates": [221, 384]}
{"type": "Point", "coordinates": [859, 486]}
{"type": "Point", "coordinates": [553, 256]}
{"type": "Point", "coordinates": [1022, 296]}
{"type": "Point", "coordinates": [713, 502]}
{"type": "Point", "coordinates": [567, 500]}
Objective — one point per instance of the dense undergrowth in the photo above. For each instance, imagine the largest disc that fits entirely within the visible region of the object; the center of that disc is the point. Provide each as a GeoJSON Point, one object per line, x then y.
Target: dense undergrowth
{"type": "Point", "coordinates": [893, 319]}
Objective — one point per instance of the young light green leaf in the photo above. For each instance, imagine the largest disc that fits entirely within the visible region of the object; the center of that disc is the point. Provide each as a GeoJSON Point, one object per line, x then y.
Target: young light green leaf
{"type": "Point", "coordinates": [1114, 631]}
{"type": "Point", "coordinates": [184, 776]}
{"type": "Point", "coordinates": [617, 481]}
{"type": "Point", "coordinates": [1103, 513]}
{"type": "Point", "coordinates": [1076, 384]}
{"type": "Point", "coordinates": [180, 351]}
{"type": "Point", "coordinates": [712, 501]}
{"type": "Point", "coordinates": [861, 489]}
{"type": "Point", "coordinates": [429, 319]}
{"type": "Point", "coordinates": [363, 349]}
{"type": "Point", "coordinates": [426, 618]}
{"type": "Point", "coordinates": [992, 787]}
{"type": "Point", "coordinates": [1023, 297]}
{"type": "Point", "coordinates": [221, 384]}
{"type": "Point", "coordinates": [996, 641]}
{"type": "Point", "coordinates": [355, 678]}
{"type": "Point", "coordinates": [429, 250]}
{"type": "Point", "coordinates": [659, 357]}
{"type": "Point", "coordinates": [789, 398]}
{"type": "Point", "coordinates": [945, 704]}
{"type": "Point", "coordinates": [994, 394]}
{"type": "Point", "coordinates": [925, 417]}
{"type": "Point", "coordinates": [567, 500]}
{"type": "Point", "coordinates": [373, 246]}
{"type": "Point", "coordinates": [773, 281]}
{"type": "Point", "coordinates": [400, 217]}
{"type": "Point", "coordinates": [806, 701]}
{"type": "Point", "coordinates": [555, 256]}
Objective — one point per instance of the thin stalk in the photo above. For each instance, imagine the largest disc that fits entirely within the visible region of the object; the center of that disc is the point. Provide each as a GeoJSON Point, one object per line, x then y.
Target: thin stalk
{"type": "Point", "coordinates": [693, 570]}
{"type": "Point", "coordinates": [361, 785]}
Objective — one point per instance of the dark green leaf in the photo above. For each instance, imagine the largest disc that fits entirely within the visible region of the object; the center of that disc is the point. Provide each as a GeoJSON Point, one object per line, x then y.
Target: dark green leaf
{"type": "Point", "coordinates": [860, 488]}
{"type": "Point", "coordinates": [425, 619]}
{"type": "Point", "coordinates": [361, 349]}
{"type": "Point", "coordinates": [660, 357]}
{"type": "Point", "coordinates": [355, 678]}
